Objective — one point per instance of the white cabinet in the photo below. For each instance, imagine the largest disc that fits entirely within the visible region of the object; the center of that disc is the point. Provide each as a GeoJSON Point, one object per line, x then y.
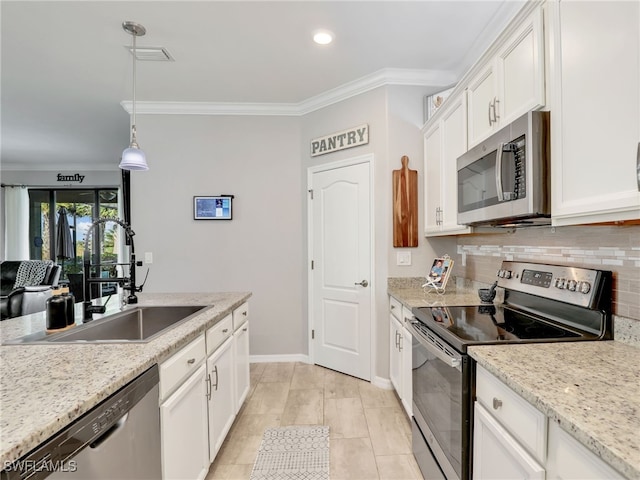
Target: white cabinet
{"type": "Point", "coordinates": [400, 353]}
{"type": "Point", "coordinates": [511, 440]}
{"type": "Point", "coordinates": [510, 83]}
{"type": "Point", "coordinates": [570, 460]}
{"type": "Point", "coordinates": [242, 372]}
{"type": "Point", "coordinates": [496, 454]}
{"type": "Point", "coordinates": [595, 111]}
{"type": "Point", "coordinates": [220, 395]}
{"type": "Point", "coordinates": [444, 141]}
{"type": "Point", "coordinates": [184, 436]}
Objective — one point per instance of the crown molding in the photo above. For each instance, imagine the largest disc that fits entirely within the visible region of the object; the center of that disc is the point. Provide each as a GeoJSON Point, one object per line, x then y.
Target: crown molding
{"type": "Point", "coordinates": [387, 76]}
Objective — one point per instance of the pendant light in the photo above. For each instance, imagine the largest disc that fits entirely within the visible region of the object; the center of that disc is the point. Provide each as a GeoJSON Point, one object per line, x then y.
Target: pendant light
{"type": "Point", "coordinates": [133, 158]}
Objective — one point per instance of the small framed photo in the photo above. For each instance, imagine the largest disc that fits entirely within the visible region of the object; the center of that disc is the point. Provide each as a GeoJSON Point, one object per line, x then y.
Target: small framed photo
{"type": "Point", "coordinates": [439, 272]}
{"type": "Point", "coordinates": [213, 208]}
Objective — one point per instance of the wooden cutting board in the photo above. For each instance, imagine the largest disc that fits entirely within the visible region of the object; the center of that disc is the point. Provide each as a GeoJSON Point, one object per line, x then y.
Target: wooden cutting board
{"type": "Point", "coordinates": [405, 206]}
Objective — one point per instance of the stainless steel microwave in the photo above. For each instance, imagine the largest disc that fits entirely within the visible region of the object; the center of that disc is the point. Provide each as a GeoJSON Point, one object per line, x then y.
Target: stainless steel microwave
{"type": "Point", "coordinates": [505, 180]}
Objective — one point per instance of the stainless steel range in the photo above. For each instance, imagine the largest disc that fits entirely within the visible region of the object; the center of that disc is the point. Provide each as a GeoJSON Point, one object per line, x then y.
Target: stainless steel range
{"type": "Point", "coordinates": [542, 303]}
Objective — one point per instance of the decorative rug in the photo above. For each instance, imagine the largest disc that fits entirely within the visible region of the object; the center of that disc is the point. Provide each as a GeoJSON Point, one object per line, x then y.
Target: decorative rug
{"type": "Point", "coordinates": [293, 453]}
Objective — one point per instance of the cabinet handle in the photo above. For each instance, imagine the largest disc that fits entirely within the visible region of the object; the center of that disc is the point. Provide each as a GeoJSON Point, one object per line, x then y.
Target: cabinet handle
{"type": "Point", "coordinates": [244, 313]}
{"type": "Point", "coordinates": [191, 361]}
{"type": "Point", "coordinates": [215, 369]}
{"type": "Point", "coordinates": [208, 382]}
{"type": "Point", "coordinates": [392, 307]}
{"type": "Point", "coordinates": [489, 112]}
{"type": "Point", "coordinates": [496, 102]}
{"type": "Point", "coordinates": [497, 403]}
{"type": "Point", "coordinates": [225, 330]}
{"type": "Point", "coordinates": [244, 329]}
{"type": "Point", "coordinates": [638, 166]}
{"type": "Point", "coordinates": [399, 342]}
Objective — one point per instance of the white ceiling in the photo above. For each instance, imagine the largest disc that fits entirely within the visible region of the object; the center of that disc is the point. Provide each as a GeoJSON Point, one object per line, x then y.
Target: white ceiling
{"type": "Point", "coordinates": [65, 69]}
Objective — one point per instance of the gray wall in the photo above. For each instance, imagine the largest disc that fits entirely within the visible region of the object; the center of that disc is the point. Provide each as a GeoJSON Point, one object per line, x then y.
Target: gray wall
{"type": "Point", "coordinates": [257, 159]}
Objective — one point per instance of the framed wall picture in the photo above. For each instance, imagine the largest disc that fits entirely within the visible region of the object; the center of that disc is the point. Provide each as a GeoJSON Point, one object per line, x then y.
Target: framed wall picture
{"type": "Point", "coordinates": [213, 208]}
{"type": "Point", "coordinates": [439, 273]}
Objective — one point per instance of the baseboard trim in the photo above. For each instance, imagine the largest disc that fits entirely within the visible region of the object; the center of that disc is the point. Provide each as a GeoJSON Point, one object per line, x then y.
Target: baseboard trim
{"type": "Point", "coordinates": [294, 357]}
{"type": "Point", "coordinates": [380, 382]}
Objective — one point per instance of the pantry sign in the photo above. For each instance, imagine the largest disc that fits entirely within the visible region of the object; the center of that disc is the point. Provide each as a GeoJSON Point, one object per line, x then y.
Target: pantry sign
{"type": "Point", "coordinates": [353, 137]}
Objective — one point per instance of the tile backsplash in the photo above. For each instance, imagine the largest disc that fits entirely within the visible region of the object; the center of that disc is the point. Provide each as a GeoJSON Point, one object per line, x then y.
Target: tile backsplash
{"type": "Point", "coordinates": [615, 248]}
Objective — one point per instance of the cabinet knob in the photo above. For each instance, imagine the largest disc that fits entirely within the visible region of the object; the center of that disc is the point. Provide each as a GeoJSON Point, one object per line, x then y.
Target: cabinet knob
{"type": "Point", "coordinates": [191, 361]}
{"type": "Point", "coordinates": [244, 329]}
{"type": "Point", "coordinates": [244, 313]}
{"type": "Point", "coordinates": [225, 330]}
{"type": "Point", "coordinates": [497, 403]}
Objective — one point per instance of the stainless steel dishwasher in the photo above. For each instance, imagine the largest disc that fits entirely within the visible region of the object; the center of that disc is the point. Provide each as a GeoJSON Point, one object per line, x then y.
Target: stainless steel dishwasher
{"type": "Point", "coordinates": [117, 439]}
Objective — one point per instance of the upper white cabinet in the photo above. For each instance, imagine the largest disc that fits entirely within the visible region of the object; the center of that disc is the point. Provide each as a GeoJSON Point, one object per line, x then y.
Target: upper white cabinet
{"type": "Point", "coordinates": [511, 82]}
{"type": "Point", "coordinates": [595, 111]}
{"type": "Point", "coordinates": [444, 142]}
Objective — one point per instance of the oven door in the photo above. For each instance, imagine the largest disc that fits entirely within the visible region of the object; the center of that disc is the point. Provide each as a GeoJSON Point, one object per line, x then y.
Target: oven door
{"type": "Point", "coordinates": [441, 406]}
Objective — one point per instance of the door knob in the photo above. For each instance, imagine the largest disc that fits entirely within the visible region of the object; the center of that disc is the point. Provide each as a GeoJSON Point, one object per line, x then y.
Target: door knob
{"type": "Point", "coordinates": [363, 283]}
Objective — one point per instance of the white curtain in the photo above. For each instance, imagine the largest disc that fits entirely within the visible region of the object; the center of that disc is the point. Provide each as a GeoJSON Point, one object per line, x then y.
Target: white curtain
{"type": "Point", "coordinates": [16, 226]}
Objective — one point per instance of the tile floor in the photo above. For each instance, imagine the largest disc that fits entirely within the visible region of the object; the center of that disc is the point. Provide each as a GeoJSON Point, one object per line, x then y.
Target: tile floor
{"type": "Point", "coordinates": [370, 432]}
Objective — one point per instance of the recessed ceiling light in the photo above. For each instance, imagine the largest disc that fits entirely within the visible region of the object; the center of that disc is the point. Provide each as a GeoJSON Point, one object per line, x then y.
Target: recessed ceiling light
{"type": "Point", "coordinates": [323, 37]}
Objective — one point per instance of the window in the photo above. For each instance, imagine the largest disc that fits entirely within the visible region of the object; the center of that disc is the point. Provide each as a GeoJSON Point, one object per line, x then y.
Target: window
{"type": "Point", "coordinates": [82, 207]}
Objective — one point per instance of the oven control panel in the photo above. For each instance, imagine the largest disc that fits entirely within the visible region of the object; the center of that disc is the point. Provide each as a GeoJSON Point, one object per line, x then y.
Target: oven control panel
{"type": "Point", "coordinates": [575, 285]}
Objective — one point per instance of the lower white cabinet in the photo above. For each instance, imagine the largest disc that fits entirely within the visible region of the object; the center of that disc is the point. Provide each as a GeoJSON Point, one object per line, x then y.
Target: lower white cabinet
{"type": "Point", "coordinates": [221, 408]}
{"type": "Point", "coordinates": [202, 387]}
{"type": "Point", "coordinates": [241, 354]}
{"type": "Point", "coordinates": [400, 353]}
{"type": "Point", "coordinates": [570, 460]}
{"type": "Point", "coordinates": [496, 454]}
{"type": "Point", "coordinates": [512, 439]}
{"type": "Point", "coordinates": [184, 435]}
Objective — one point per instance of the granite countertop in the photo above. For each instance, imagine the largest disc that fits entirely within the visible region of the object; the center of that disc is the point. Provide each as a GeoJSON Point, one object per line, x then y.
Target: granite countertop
{"type": "Point", "coordinates": [591, 389]}
{"type": "Point", "coordinates": [45, 387]}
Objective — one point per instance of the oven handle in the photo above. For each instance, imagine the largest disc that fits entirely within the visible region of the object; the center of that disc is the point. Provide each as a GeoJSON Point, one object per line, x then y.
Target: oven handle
{"type": "Point", "coordinates": [452, 362]}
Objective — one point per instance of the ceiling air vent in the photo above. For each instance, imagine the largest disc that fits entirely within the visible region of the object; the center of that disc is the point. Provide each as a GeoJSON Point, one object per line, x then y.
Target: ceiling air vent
{"type": "Point", "coordinates": [152, 54]}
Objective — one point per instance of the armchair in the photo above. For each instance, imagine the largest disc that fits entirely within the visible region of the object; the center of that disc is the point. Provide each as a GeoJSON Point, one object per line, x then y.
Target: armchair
{"type": "Point", "coordinates": [25, 298]}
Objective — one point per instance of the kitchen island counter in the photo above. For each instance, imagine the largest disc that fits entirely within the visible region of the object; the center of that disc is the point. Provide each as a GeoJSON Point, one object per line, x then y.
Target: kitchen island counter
{"type": "Point", "coordinates": [591, 389]}
{"type": "Point", "coordinates": [43, 388]}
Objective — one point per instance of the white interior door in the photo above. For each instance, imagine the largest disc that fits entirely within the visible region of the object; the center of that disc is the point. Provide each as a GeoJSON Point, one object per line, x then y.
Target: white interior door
{"type": "Point", "coordinates": [340, 279]}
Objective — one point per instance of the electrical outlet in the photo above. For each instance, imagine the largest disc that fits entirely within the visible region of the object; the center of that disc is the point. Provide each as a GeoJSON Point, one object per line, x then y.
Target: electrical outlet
{"type": "Point", "coordinates": [148, 257]}
{"type": "Point", "coordinates": [403, 258]}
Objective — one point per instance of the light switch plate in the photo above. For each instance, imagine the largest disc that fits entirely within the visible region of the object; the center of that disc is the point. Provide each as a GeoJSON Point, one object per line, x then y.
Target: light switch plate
{"type": "Point", "coordinates": [403, 258]}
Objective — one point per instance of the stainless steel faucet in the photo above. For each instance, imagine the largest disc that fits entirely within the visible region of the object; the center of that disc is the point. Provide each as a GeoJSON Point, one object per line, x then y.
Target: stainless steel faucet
{"type": "Point", "coordinates": [127, 283]}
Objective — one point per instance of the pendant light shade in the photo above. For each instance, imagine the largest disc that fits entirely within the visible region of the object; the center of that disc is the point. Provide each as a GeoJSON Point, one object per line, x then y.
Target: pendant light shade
{"type": "Point", "coordinates": [133, 158]}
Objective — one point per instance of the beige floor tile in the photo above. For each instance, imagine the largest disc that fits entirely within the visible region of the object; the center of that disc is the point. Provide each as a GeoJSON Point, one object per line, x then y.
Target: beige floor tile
{"type": "Point", "coordinates": [307, 376]}
{"type": "Point", "coordinates": [345, 417]}
{"type": "Point", "coordinates": [352, 459]}
{"type": "Point", "coordinates": [254, 423]}
{"type": "Point", "coordinates": [268, 398]}
{"type": "Point", "coordinates": [338, 385]}
{"type": "Point", "coordinates": [398, 467]}
{"type": "Point", "coordinates": [373, 396]}
{"type": "Point", "coordinates": [238, 449]}
{"type": "Point", "coordinates": [229, 472]}
{"type": "Point", "coordinates": [387, 431]}
{"type": "Point", "coordinates": [277, 372]}
{"type": "Point", "coordinates": [304, 407]}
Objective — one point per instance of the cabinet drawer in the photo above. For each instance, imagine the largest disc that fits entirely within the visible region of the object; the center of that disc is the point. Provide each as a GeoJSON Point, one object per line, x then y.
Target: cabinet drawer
{"type": "Point", "coordinates": [219, 333]}
{"type": "Point", "coordinates": [396, 308]}
{"type": "Point", "coordinates": [525, 422]}
{"type": "Point", "coordinates": [240, 315]}
{"type": "Point", "coordinates": [177, 368]}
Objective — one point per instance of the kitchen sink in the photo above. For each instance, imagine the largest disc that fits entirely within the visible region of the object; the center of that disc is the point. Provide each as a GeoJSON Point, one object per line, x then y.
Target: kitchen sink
{"type": "Point", "coordinates": [139, 324]}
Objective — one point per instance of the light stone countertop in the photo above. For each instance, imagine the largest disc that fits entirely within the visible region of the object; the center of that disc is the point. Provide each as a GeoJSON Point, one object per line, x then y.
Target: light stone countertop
{"type": "Point", "coordinates": [43, 388]}
{"type": "Point", "coordinates": [592, 389]}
